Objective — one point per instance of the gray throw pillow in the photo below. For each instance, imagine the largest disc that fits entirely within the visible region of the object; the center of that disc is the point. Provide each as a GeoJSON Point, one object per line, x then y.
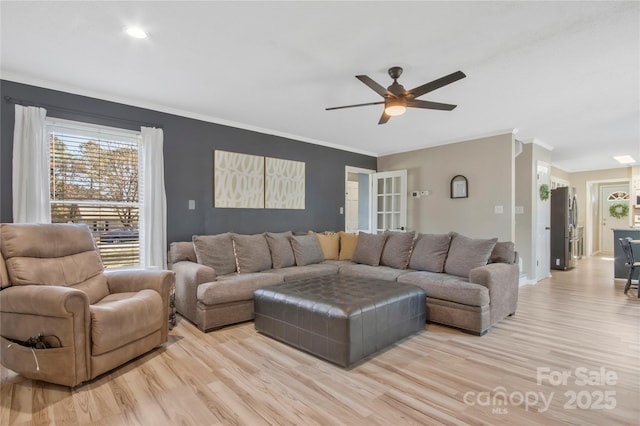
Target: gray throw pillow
{"type": "Point", "coordinates": [466, 253]}
{"type": "Point", "coordinates": [215, 251]}
{"type": "Point", "coordinates": [430, 252]}
{"type": "Point", "coordinates": [306, 249]}
{"type": "Point", "coordinates": [503, 252]}
{"type": "Point", "coordinates": [397, 249]}
{"type": "Point", "coordinates": [369, 248]}
{"type": "Point", "coordinates": [281, 250]}
{"type": "Point", "coordinates": [252, 253]}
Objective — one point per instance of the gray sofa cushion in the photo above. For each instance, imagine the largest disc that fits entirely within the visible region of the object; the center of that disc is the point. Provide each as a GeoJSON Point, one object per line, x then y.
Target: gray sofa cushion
{"type": "Point", "coordinates": [306, 249]}
{"type": "Point", "coordinates": [503, 252]}
{"type": "Point", "coordinates": [281, 250]}
{"type": "Point", "coordinates": [397, 249]}
{"type": "Point", "coordinates": [359, 270]}
{"type": "Point", "coordinates": [430, 252]}
{"type": "Point", "coordinates": [447, 287]}
{"type": "Point", "coordinates": [466, 253]}
{"type": "Point", "coordinates": [215, 251]}
{"type": "Point", "coordinates": [252, 253]}
{"type": "Point", "coordinates": [234, 288]}
{"type": "Point", "coordinates": [308, 271]}
{"type": "Point", "coordinates": [369, 248]}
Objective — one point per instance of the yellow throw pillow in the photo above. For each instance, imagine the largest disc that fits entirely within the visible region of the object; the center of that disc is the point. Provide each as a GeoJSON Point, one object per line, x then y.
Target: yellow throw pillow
{"type": "Point", "coordinates": [330, 245]}
{"type": "Point", "coordinates": [348, 244]}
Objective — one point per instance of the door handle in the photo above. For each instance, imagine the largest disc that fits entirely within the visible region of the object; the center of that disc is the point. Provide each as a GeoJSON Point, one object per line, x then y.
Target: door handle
{"type": "Point", "coordinates": [547, 228]}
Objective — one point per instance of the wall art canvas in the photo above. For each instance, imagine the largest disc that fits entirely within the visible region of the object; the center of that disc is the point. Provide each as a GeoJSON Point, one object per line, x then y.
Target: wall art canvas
{"type": "Point", "coordinates": [285, 184]}
{"type": "Point", "coordinates": [238, 180]}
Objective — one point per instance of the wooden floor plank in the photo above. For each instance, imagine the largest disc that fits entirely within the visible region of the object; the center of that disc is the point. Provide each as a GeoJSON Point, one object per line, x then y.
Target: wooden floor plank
{"type": "Point", "coordinates": [236, 376]}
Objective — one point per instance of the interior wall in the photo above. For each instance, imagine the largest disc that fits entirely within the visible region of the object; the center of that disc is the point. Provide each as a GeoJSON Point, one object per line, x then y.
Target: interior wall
{"type": "Point", "coordinates": [488, 165]}
{"type": "Point", "coordinates": [579, 182]}
{"type": "Point", "coordinates": [188, 154]}
{"type": "Point", "coordinates": [527, 197]}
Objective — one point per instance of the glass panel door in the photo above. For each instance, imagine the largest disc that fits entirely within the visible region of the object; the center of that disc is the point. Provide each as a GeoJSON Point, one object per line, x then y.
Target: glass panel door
{"type": "Point", "coordinates": [390, 205]}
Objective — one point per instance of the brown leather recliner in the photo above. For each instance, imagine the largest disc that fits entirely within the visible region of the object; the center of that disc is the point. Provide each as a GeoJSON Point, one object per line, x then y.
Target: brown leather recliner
{"type": "Point", "coordinates": [53, 284]}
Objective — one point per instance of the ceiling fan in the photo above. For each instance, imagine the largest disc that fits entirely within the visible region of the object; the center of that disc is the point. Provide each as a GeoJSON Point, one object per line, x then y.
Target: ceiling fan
{"type": "Point", "coordinates": [397, 99]}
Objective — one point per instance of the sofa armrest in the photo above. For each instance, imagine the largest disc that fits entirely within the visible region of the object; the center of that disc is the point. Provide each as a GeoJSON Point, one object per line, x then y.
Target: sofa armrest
{"type": "Point", "coordinates": [502, 281]}
{"type": "Point", "coordinates": [189, 275]}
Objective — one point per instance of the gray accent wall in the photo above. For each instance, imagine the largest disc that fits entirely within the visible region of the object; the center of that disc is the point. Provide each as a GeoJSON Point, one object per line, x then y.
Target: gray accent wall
{"type": "Point", "coordinates": [188, 153]}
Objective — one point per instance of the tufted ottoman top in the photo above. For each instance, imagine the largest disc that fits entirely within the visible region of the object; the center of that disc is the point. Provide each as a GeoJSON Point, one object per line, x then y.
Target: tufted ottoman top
{"type": "Point", "coordinates": [341, 292]}
{"type": "Point", "coordinates": [340, 318]}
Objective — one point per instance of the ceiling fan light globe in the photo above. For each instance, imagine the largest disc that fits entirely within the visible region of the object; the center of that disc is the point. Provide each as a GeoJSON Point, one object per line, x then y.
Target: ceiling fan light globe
{"type": "Point", "coordinates": [395, 108]}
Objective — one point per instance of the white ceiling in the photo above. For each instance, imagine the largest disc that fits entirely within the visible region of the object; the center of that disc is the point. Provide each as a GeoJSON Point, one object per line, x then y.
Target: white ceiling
{"type": "Point", "coordinates": [566, 74]}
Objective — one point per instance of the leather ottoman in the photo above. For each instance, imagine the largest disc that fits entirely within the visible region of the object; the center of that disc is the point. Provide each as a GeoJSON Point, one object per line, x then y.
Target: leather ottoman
{"type": "Point", "coordinates": [339, 318]}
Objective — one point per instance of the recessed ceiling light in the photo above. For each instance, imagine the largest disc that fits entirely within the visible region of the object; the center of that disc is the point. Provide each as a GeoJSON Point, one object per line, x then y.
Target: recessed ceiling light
{"type": "Point", "coordinates": [624, 159]}
{"type": "Point", "coordinates": [135, 32]}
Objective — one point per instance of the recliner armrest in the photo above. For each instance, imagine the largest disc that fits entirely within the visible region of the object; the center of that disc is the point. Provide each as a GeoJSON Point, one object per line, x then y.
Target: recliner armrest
{"type": "Point", "coordinates": [127, 280]}
{"type": "Point", "coordinates": [131, 280]}
{"type": "Point", "coordinates": [44, 300]}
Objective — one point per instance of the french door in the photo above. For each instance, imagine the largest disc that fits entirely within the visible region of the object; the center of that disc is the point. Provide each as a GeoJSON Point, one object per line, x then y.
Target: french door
{"type": "Point", "coordinates": [390, 201]}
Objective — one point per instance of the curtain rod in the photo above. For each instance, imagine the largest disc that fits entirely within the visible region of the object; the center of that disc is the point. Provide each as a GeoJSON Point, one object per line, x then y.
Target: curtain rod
{"type": "Point", "coordinates": [22, 102]}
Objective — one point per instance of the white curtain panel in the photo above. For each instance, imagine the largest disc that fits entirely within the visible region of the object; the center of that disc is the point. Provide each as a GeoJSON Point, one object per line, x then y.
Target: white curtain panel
{"type": "Point", "coordinates": [154, 210]}
{"type": "Point", "coordinates": [31, 192]}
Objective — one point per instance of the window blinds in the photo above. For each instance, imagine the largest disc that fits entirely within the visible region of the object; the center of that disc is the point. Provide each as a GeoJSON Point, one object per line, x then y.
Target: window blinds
{"type": "Point", "coordinates": [95, 178]}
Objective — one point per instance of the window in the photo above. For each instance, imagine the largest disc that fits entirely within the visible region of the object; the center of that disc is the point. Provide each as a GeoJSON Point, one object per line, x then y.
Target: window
{"type": "Point", "coordinates": [96, 178]}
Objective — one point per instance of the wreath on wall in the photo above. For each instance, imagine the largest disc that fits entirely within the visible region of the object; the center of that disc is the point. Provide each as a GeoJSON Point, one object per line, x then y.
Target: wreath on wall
{"type": "Point", "coordinates": [618, 210]}
{"type": "Point", "coordinates": [544, 192]}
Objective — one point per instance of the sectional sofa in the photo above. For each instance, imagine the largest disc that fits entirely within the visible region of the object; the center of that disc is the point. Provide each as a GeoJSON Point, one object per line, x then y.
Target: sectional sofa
{"type": "Point", "coordinates": [471, 284]}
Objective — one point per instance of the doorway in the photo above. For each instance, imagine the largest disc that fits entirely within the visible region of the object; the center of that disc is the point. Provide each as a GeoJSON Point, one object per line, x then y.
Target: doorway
{"type": "Point", "coordinates": [611, 198]}
{"type": "Point", "coordinates": [599, 238]}
{"type": "Point", "coordinates": [542, 237]}
{"type": "Point", "coordinates": [357, 199]}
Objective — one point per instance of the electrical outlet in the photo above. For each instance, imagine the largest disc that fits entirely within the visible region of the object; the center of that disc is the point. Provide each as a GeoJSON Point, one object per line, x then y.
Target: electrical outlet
{"type": "Point", "coordinates": [498, 209]}
{"type": "Point", "coordinates": [341, 210]}
{"type": "Point", "coordinates": [192, 204]}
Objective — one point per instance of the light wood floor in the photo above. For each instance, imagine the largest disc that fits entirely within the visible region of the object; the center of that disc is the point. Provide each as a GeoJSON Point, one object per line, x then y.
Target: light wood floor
{"type": "Point", "coordinates": [578, 321]}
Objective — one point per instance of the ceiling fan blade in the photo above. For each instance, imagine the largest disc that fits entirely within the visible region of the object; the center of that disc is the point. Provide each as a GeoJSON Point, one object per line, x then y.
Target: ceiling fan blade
{"type": "Point", "coordinates": [356, 105]}
{"type": "Point", "coordinates": [416, 103]}
{"type": "Point", "coordinates": [384, 118]}
{"type": "Point", "coordinates": [436, 84]}
{"type": "Point", "coordinates": [375, 86]}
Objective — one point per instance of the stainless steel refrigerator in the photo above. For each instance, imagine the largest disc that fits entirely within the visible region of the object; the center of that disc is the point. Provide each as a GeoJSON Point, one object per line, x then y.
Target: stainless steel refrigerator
{"type": "Point", "coordinates": [564, 221]}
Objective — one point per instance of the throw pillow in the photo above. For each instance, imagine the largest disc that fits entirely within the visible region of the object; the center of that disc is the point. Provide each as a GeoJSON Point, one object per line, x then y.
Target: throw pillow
{"type": "Point", "coordinates": [430, 252]}
{"type": "Point", "coordinates": [215, 251]}
{"type": "Point", "coordinates": [348, 244]}
{"type": "Point", "coordinates": [466, 253]}
{"type": "Point", "coordinates": [280, 247]}
{"type": "Point", "coordinates": [503, 252]}
{"type": "Point", "coordinates": [329, 244]}
{"type": "Point", "coordinates": [252, 253]}
{"type": "Point", "coordinates": [369, 248]}
{"type": "Point", "coordinates": [180, 251]}
{"type": "Point", "coordinates": [397, 249]}
{"type": "Point", "coordinates": [306, 249]}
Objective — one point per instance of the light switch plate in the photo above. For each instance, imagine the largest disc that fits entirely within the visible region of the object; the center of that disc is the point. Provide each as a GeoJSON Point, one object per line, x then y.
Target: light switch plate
{"type": "Point", "coordinates": [499, 209]}
{"type": "Point", "coordinates": [192, 204]}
